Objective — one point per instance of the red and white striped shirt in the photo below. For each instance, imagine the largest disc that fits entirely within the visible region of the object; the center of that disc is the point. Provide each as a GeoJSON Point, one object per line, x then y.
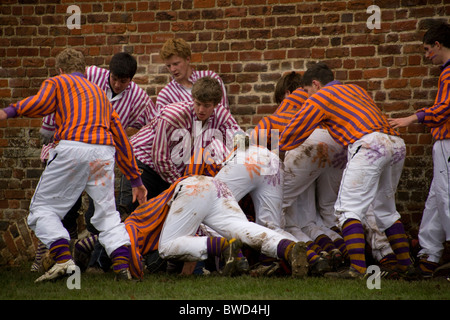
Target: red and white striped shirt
{"type": "Point", "coordinates": [163, 143]}
{"type": "Point", "coordinates": [175, 92]}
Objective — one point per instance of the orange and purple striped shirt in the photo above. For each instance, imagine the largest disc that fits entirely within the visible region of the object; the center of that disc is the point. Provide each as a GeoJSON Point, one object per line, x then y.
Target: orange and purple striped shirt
{"type": "Point", "coordinates": [83, 113]}
{"type": "Point", "coordinates": [345, 110]}
{"type": "Point", "coordinates": [279, 119]}
{"type": "Point", "coordinates": [436, 117]}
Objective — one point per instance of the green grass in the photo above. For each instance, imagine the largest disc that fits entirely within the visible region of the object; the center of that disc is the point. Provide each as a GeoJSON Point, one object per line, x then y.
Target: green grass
{"type": "Point", "coordinates": [17, 283]}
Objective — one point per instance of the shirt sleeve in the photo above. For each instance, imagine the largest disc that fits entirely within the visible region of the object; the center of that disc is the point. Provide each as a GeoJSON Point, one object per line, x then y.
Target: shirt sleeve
{"type": "Point", "coordinates": [125, 158]}
{"type": "Point", "coordinates": [161, 152]}
{"type": "Point", "coordinates": [37, 106]}
{"type": "Point", "coordinates": [439, 113]}
{"type": "Point", "coordinates": [305, 121]}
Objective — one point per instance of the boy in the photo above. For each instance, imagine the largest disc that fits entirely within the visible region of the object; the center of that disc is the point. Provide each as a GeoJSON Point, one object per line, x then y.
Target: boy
{"type": "Point", "coordinates": [435, 225]}
{"type": "Point", "coordinates": [176, 55]}
{"type": "Point", "coordinates": [87, 134]}
{"type": "Point", "coordinates": [181, 129]}
{"type": "Point", "coordinates": [375, 160]}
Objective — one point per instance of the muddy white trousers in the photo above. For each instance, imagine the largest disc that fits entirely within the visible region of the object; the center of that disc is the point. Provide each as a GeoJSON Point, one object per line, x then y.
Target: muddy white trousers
{"type": "Point", "coordinates": [435, 225]}
{"type": "Point", "coordinates": [202, 199]}
{"type": "Point", "coordinates": [259, 172]}
{"type": "Point", "coordinates": [313, 173]}
{"type": "Point", "coordinates": [72, 168]}
{"type": "Point", "coordinates": [374, 167]}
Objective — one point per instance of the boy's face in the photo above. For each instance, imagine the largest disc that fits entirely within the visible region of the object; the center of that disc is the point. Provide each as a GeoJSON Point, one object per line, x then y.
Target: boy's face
{"type": "Point", "coordinates": [178, 68]}
{"type": "Point", "coordinates": [434, 52]}
{"type": "Point", "coordinates": [118, 84]}
{"type": "Point", "coordinates": [203, 110]}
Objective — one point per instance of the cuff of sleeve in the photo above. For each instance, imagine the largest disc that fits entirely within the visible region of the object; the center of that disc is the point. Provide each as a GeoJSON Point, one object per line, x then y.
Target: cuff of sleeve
{"type": "Point", "coordinates": [420, 116]}
{"type": "Point", "coordinates": [136, 182]}
{"type": "Point", "coordinates": [11, 112]}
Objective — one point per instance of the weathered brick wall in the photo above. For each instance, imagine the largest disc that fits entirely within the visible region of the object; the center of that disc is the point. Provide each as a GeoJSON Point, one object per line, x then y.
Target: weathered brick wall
{"type": "Point", "coordinates": [249, 43]}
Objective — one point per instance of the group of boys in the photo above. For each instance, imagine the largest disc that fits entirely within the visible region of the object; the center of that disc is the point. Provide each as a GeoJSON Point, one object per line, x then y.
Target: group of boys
{"type": "Point", "coordinates": [321, 172]}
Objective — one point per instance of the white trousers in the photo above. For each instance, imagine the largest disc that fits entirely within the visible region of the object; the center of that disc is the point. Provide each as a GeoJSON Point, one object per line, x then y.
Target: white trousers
{"type": "Point", "coordinates": [202, 199]}
{"type": "Point", "coordinates": [373, 170]}
{"type": "Point", "coordinates": [259, 172]}
{"type": "Point", "coordinates": [435, 225]}
{"type": "Point", "coordinates": [313, 173]}
{"type": "Point", "coordinates": [72, 168]}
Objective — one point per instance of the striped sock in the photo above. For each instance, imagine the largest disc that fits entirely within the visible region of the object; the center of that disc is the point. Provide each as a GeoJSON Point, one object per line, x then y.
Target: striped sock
{"type": "Point", "coordinates": [311, 245]}
{"type": "Point", "coordinates": [312, 252]}
{"type": "Point", "coordinates": [59, 251]}
{"type": "Point", "coordinates": [283, 248]}
{"type": "Point", "coordinates": [325, 243]}
{"type": "Point", "coordinates": [40, 251]}
{"type": "Point", "coordinates": [87, 244]}
{"type": "Point", "coordinates": [399, 243]}
{"type": "Point", "coordinates": [354, 239]}
{"type": "Point", "coordinates": [120, 258]}
{"type": "Point", "coordinates": [389, 260]}
{"type": "Point", "coordinates": [427, 267]}
{"type": "Point", "coordinates": [215, 245]}
{"type": "Point", "coordinates": [339, 243]}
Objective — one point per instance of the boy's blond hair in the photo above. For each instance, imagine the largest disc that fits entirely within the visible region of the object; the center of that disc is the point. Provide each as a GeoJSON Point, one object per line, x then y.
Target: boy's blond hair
{"type": "Point", "coordinates": [177, 47]}
{"type": "Point", "coordinates": [70, 60]}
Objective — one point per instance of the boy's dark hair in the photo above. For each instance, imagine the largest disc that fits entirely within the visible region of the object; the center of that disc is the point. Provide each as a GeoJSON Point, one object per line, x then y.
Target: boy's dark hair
{"type": "Point", "coordinates": [123, 65]}
{"type": "Point", "coordinates": [440, 32]}
{"type": "Point", "coordinates": [288, 82]}
{"type": "Point", "coordinates": [207, 89]}
{"type": "Point", "coordinates": [317, 71]}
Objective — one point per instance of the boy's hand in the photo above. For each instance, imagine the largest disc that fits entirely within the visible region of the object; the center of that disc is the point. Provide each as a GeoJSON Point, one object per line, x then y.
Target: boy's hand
{"type": "Point", "coordinates": [139, 194]}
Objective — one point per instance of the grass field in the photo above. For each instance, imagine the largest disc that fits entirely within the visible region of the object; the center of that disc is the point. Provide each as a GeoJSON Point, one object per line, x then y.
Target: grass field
{"type": "Point", "coordinates": [214, 297]}
{"type": "Point", "coordinates": [18, 283]}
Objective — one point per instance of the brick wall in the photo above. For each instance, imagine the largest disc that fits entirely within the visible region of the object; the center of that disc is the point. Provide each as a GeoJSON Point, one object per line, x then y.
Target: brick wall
{"type": "Point", "coordinates": [249, 43]}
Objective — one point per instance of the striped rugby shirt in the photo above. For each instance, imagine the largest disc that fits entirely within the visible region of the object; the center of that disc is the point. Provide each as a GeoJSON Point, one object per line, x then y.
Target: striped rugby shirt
{"type": "Point", "coordinates": [162, 139]}
{"type": "Point", "coordinates": [436, 117]}
{"type": "Point", "coordinates": [82, 113]}
{"type": "Point", "coordinates": [345, 110]}
{"type": "Point", "coordinates": [281, 117]}
{"type": "Point", "coordinates": [175, 92]}
{"type": "Point", "coordinates": [133, 105]}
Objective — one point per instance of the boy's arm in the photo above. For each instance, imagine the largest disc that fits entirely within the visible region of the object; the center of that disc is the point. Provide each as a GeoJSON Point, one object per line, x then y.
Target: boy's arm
{"type": "Point", "coordinates": [300, 127]}
{"type": "Point", "coordinates": [162, 154]}
{"type": "Point", "coordinates": [39, 105]}
{"type": "Point", "coordinates": [402, 122]}
{"type": "Point", "coordinates": [126, 160]}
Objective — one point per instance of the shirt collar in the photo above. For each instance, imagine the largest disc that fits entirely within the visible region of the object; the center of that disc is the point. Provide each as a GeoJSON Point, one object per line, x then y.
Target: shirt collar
{"type": "Point", "coordinates": [333, 83]}
{"type": "Point", "coordinates": [78, 74]}
{"type": "Point", "coordinates": [445, 65]}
